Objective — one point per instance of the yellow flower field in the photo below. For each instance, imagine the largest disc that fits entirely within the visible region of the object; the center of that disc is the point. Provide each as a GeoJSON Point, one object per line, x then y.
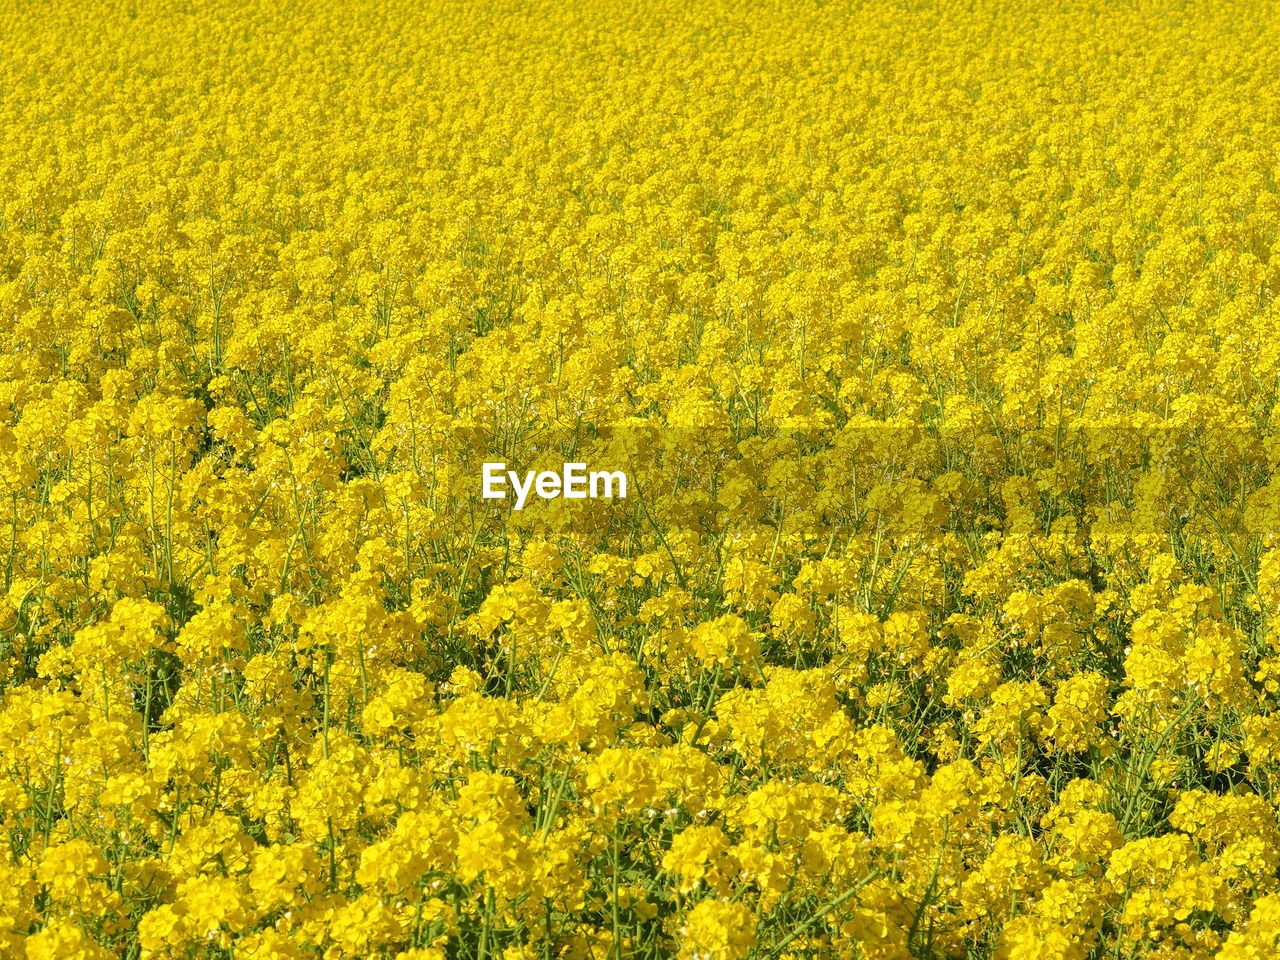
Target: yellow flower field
{"type": "Point", "coordinates": [937, 342]}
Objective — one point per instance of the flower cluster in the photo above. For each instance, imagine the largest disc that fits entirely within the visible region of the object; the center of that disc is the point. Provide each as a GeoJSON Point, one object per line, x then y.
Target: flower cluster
{"type": "Point", "coordinates": [937, 342]}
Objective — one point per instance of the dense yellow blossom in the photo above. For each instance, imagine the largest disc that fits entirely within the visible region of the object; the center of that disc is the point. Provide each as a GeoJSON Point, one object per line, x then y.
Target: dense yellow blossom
{"type": "Point", "coordinates": [938, 344]}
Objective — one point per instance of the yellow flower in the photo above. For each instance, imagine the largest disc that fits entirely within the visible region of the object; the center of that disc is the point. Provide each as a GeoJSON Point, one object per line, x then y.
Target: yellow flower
{"type": "Point", "coordinates": [717, 930]}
